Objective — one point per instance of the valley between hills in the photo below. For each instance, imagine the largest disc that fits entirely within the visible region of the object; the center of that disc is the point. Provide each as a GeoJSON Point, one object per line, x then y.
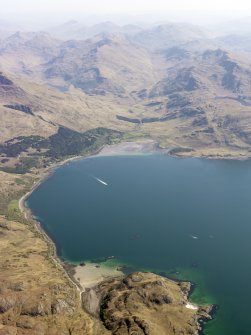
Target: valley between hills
{"type": "Point", "coordinates": [71, 91]}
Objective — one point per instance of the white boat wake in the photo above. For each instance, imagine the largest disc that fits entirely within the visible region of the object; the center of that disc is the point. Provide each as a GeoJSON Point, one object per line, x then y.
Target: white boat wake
{"type": "Point", "coordinates": [194, 237]}
{"type": "Point", "coordinates": [100, 180]}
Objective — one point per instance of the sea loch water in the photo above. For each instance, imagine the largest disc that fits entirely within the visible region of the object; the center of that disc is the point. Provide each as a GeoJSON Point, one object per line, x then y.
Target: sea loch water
{"type": "Point", "coordinates": [189, 218]}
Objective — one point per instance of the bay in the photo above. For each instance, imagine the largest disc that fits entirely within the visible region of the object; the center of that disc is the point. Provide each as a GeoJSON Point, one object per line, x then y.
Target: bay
{"type": "Point", "coordinates": [189, 218]}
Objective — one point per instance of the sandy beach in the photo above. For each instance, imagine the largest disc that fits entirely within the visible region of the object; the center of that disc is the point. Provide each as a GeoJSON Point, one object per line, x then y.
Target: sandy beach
{"type": "Point", "coordinates": [91, 274]}
{"type": "Point", "coordinates": [145, 146]}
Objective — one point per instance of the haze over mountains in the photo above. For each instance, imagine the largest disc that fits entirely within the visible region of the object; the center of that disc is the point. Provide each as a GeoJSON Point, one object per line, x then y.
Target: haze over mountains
{"type": "Point", "coordinates": [185, 86]}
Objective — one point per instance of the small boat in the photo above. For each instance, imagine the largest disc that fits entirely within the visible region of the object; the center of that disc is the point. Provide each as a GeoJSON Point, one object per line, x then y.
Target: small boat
{"type": "Point", "coordinates": [101, 181]}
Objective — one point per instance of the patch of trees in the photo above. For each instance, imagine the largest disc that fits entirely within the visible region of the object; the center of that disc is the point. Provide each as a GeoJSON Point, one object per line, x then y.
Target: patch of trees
{"type": "Point", "coordinates": [23, 166]}
{"type": "Point", "coordinates": [15, 146]}
{"type": "Point", "coordinates": [65, 142]}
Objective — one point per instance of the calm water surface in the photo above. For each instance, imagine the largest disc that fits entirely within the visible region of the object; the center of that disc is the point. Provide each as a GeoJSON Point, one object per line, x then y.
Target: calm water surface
{"type": "Point", "coordinates": [190, 218]}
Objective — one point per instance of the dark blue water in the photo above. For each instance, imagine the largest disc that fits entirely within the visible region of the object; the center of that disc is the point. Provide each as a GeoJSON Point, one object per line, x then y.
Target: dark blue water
{"type": "Point", "coordinates": [190, 218]}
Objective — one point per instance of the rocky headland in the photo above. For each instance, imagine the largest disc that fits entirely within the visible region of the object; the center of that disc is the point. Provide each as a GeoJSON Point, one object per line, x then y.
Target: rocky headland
{"type": "Point", "coordinates": [145, 304]}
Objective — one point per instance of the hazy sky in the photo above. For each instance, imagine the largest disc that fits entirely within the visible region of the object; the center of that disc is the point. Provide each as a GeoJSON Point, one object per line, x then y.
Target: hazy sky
{"type": "Point", "coordinates": [125, 6]}
{"type": "Point", "coordinates": [77, 8]}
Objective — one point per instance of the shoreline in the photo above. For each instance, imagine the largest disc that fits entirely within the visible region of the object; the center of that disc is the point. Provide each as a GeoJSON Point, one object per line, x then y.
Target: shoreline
{"type": "Point", "coordinates": [73, 271]}
{"type": "Point", "coordinates": [92, 274]}
{"type": "Point", "coordinates": [86, 278]}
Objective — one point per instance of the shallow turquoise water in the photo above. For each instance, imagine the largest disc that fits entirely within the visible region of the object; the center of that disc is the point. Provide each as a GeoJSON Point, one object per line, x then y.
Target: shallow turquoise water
{"type": "Point", "coordinates": [190, 218]}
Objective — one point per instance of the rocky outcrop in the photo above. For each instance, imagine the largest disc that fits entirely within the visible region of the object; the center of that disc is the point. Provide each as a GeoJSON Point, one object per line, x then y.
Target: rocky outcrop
{"type": "Point", "coordinates": [21, 108]}
{"type": "Point", "coordinates": [176, 81]}
{"type": "Point", "coordinates": [7, 301]}
{"type": "Point", "coordinates": [147, 304]}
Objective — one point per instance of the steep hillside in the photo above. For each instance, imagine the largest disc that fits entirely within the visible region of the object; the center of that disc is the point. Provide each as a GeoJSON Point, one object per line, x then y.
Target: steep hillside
{"type": "Point", "coordinates": [23, 53]}
{"type": "Point", "coordinates": [101, 65]}
{"type": "Point", "coordinates": [178, 92]}
{"type": "Point", "coordinates": [211, 94]}
{"type": "Point", "coordinates": [30, 109]}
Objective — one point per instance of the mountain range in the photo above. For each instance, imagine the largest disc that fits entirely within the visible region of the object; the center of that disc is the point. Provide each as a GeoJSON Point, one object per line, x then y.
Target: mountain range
{"type": "Point", "coordinates": [176, 83]}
